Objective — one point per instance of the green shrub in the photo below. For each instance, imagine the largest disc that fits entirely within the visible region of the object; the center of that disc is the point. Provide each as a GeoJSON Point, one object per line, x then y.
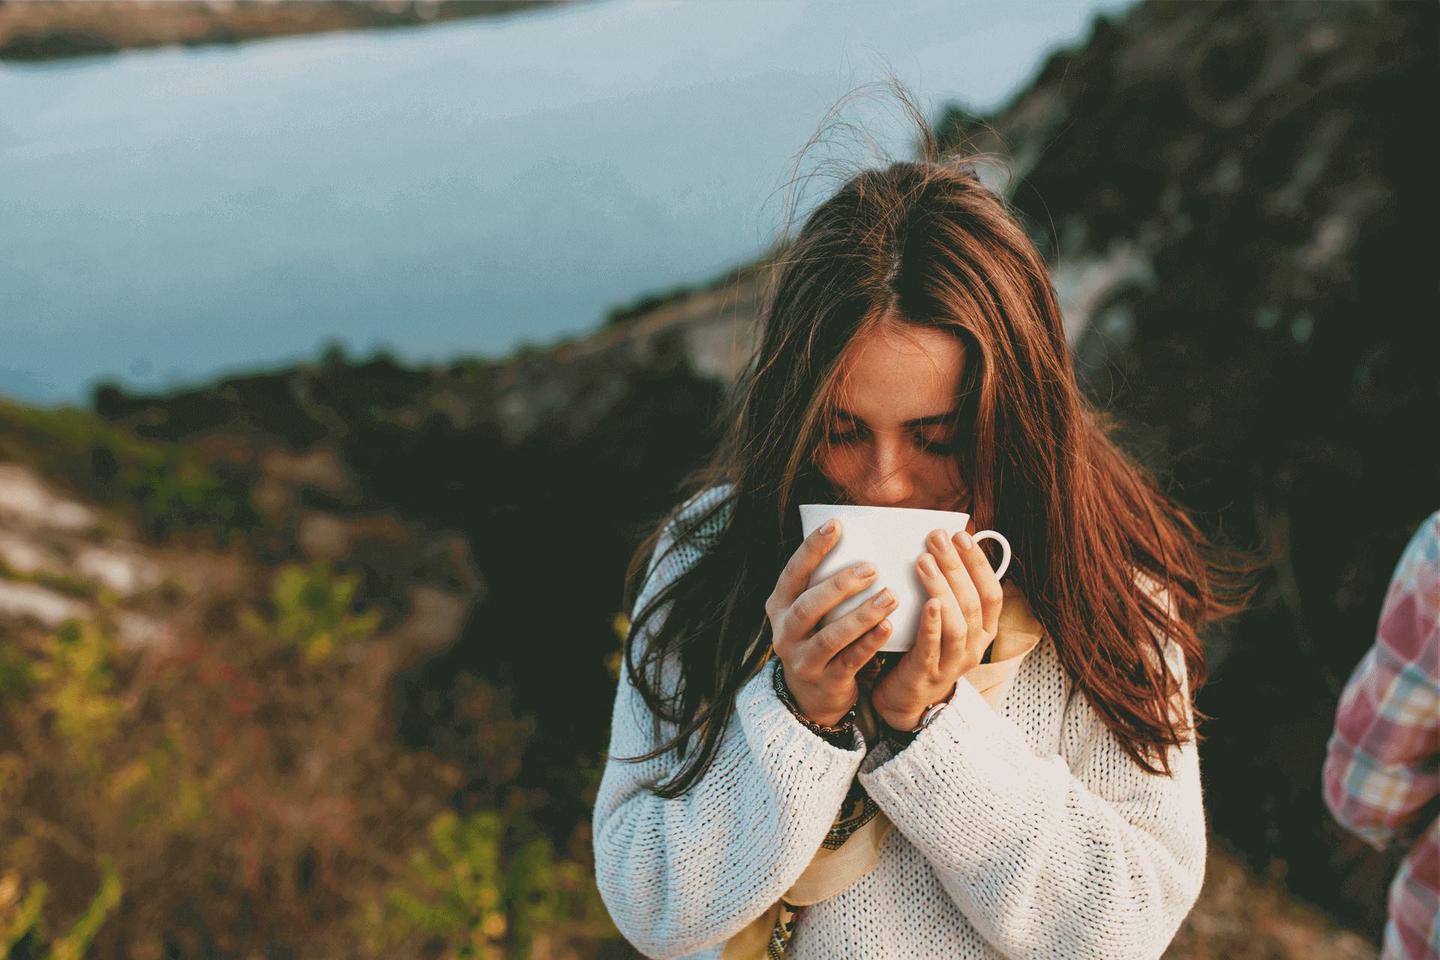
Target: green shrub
{"type": "Point", "coordinates": [168, 488]}
{"type": "Point", "coordinates": [312, 610]}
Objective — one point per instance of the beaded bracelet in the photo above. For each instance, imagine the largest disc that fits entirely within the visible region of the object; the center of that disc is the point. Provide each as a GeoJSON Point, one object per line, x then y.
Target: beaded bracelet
{"type": "Point", "coordinates": [842, 731]}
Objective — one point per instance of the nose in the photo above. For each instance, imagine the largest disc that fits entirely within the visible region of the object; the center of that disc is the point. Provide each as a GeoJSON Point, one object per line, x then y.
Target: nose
{"type": "Point", "coordinates": [887, 479]}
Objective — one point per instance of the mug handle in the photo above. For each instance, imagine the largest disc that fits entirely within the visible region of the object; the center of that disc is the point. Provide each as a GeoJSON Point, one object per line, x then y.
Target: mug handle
{"type": "Point", "coordinates": [1004, 547]}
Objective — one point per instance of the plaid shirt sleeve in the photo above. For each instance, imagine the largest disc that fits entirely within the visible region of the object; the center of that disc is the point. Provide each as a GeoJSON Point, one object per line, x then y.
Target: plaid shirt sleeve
{"type": "Point", "coordinates": [1382, 764]}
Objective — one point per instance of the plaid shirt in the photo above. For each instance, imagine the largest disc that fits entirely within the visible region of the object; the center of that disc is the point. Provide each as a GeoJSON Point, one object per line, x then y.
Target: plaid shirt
{"type": "Point", "coordinates": [1382, 765]}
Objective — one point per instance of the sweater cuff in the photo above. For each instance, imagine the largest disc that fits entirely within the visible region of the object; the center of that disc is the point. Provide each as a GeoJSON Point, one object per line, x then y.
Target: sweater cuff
{"type": "Point", "coordinates": [783, 743]}
{"type": "Point", "coordinates": [967, 743]}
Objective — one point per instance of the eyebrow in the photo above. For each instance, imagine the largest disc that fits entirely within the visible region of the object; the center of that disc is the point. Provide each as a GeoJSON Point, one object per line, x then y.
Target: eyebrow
{"type": "Point", "coordinates": [925, 421]}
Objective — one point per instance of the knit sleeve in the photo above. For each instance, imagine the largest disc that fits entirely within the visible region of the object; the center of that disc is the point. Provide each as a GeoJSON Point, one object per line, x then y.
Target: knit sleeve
{"type": "Point", "coordinates": [1076, 854]}
{"type": "Point", "coordinates": [681, 876]}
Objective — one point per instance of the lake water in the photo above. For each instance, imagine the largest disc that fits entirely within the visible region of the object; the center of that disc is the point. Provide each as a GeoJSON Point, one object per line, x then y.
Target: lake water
{"type": "Point", "coordinates": [169, 215]}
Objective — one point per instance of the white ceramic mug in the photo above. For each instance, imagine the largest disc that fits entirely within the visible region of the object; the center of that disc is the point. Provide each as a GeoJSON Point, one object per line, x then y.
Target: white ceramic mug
{"type": "Point", "coordinates": [891, 538]}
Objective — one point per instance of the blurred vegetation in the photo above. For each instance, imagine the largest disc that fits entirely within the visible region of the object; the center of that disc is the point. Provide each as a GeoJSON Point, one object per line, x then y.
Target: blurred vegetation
{"type": "Point", "coordinates": [69, 586]}
{"type": "Point", "coordinates": [464, 895]}
{"type": "Point", "coordinates": [167, 488]}
{"type": "Point", "coordinates": [25, 920]}
{"type": "Point", "coordinates": [244, 794]}
{"type": "Point", "coordinates": [676, 293]}
{"type": "Point", "coordinates": [312, 610]}
{"type": "Point", "coordinates": [647, 302]}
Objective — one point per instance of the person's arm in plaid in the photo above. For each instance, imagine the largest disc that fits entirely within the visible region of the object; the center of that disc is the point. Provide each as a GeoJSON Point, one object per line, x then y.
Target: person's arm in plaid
{"type": "Point", "coordinates": [1382, 764]}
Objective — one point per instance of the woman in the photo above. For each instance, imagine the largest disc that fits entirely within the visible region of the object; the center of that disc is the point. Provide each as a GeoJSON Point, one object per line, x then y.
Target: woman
{"type": "Point", "coordinates": [912, 355]}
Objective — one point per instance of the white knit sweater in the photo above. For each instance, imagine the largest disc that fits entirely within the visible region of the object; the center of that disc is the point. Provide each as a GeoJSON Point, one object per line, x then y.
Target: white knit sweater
{"type": "Point", "coordinates": [1025, 832]}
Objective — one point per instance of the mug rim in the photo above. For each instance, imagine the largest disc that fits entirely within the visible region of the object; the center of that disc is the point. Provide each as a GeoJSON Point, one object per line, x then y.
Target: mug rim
{"type": "Point", "coordinates": [862, 508]}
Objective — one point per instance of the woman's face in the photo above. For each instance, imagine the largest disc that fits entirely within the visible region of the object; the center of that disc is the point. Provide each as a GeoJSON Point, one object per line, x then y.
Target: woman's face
{"type": "Point", "coordinates": [892, 445]}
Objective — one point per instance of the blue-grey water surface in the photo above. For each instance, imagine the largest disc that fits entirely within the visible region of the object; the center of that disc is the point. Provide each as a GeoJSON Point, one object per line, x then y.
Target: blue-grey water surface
{"type": "Point", "coordinates": [167, 215]}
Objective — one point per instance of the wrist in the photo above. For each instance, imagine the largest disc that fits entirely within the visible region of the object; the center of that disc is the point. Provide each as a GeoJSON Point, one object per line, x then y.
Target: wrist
{"type": "Point", "coordinates": [892, 721]}
{"type": "Point", "coordinates": [901, 724]}
{"type": "Point", "coordinates": [842, 728]}
{"type": "Point", "coordinates": [911, 723]}
{"type": "Point", "coordinates": [895, 735]}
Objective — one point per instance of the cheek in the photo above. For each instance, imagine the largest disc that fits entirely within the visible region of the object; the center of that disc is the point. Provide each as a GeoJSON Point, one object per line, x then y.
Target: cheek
{"type": "Point", "coordinates": [844, 468]}
{"type": "Point", "coordinates": [956, 477]}
{"type": "Point", "coordinates": [834, 464]}
{"type": "Point", "coordinates": [945, 480]}
{"type": "Point", "coordinates": [940, 475]}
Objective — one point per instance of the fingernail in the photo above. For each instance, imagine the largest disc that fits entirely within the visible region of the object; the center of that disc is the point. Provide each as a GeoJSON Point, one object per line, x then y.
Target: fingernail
{"type": "Point", "coordinates": [828, 528]}
{"type": "Point", "coordinates": [965, 540]}
{"type": "Point", "coordinates": [865, 570]}
{"type": "Point", "coordinates": [884, 598]}
{"type": "Point", "coordinates": [927, 563]}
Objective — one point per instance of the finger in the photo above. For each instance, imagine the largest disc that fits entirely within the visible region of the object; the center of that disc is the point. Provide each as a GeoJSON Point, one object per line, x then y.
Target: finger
{"type": "Point", "coordinates": [987, 585]}
{"type": "Point", "coordinates": [953, 628]}
{"type": "Point", "coordinates": [967, 597]}
{"type": "Point", "coordinates": [851, 660]}
{"type": "Point", "coordinates": [928, 635]}
{"type": "Point", "coordinates": [836, 636]}
{"type": "Point", "coordinates": [795, 577]}
{"type": "Point", "coordinates": [812, 605]}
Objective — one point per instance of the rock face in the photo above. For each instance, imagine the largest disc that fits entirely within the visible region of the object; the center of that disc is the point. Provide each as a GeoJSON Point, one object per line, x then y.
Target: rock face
{"type": "Point", "coordinates": [1236, 204]}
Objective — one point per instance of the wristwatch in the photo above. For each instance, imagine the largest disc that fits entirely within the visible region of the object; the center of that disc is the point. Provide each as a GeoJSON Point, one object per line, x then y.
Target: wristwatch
{"type": "Point", "coordinates": [934, 709]}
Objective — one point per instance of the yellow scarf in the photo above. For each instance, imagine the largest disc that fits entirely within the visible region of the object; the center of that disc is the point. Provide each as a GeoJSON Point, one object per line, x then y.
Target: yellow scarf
{"type": "Point", "coordinates": [852, 847]}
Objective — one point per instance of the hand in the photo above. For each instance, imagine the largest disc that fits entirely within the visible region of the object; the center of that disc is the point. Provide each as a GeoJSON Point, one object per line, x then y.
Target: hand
{"type": "Point", "coordinates": [820, 667]}
{"type": "Point", "coordinates": [957, 624]}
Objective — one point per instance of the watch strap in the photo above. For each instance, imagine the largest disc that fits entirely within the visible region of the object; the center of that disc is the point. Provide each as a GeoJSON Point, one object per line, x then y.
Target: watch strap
{"type": "Point", "coordinates": [932, 711]}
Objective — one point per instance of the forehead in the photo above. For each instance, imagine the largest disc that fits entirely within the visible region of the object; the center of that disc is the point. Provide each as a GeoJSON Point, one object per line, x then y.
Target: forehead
{"type": "Point", "coordinates": [892, 375]}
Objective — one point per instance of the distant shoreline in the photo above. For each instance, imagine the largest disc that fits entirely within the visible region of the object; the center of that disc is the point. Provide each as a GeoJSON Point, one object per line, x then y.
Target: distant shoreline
{"type": "Point", "coordinates": [41, 30]}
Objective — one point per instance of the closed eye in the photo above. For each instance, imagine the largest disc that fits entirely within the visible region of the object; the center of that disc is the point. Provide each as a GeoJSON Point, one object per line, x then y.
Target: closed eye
{"type": "Point", "coordinates": [925, 444]}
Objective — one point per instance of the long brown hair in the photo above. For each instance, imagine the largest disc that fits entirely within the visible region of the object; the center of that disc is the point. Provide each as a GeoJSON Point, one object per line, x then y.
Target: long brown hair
{"type": "Point", "coordinates": [927, 242]}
